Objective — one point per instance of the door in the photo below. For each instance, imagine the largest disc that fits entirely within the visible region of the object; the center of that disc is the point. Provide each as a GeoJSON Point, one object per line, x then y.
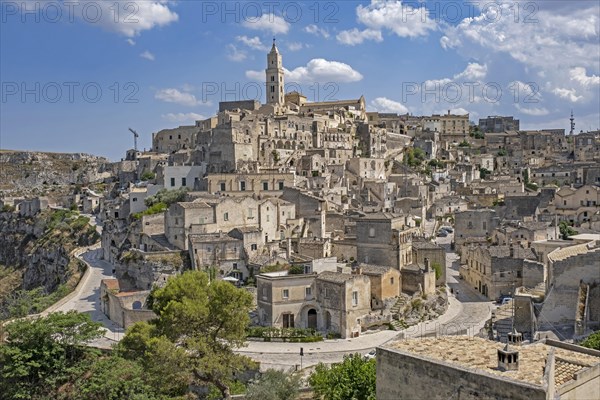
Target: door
{"type": "Point", "coordinates": [312, 319]}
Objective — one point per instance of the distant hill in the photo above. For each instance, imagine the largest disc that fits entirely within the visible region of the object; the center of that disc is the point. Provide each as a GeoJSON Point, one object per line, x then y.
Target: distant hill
{"type": "Point", "coordinates": [24, 173]}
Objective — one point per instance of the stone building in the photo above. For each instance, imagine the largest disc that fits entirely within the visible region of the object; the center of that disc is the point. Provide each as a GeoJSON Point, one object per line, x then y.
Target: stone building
{"type": "Point", "coordinates": [498, 270]}
{"type": "Point", "coordinates": [344, 299]}
{"type": "Point", "coordinates": [471, 368]}
{"type": "Point", "coordinates": [418, 278]}
{"type": "Point", "coordinates": [123, 308]}
{"type": "Point", "coordinates": [384, 239]}
{"type": "Point", "coordinates": [497, 124]}
{"type": "Point", "coordinates": [436, 255]}
{"type": "Point", "coordinates": [385, 283]}
{"type": "Point", "coordinates": [572, 284]}
{"type": "Point", "coordinates": [474, 224]}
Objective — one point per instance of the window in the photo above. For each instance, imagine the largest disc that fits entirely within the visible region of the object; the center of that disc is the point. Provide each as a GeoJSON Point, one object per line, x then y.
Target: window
{"type": "Point", "coordinates": [286, 293]}
{"type": "Point", "coordinates": [308, 291]}
{"type": "Point", "coordinates": [484, 225]}
{"type": "Point", "coordinates": [392, 280]}
{"type": "Point", "coordinates": [355, 298]}
{"type": "Point", "coordinates": [134, 199]}
{"type": "Point", "coordinates": [183, 181]}
{"type": "Point", "coordinates": [242, 186]}
{"type": "Point", "coordinates": [265, 185]}
{"type": "Point", "coordinates": [280, 185]}
{"type": "Point", "coordinates": [326, 293]}
{"type": "Point", "coordinates": [372, 232]}
{"type": "Point", "coordinates": [470, 225]}
{"type": "Point", "coordinates": [272, 79]}
{"type": "Point", "coordinates": [222, 186]}
{"type": "Point", "coordinates": [172, 181]}
{"type": "Point", "coordinates": [226, 217]}
{"type": "Point", "coordinates": [250, 214]}
{"type": "Point", "coordinates": [519, 275]}
{"type": "Point", "coordinates": [288, 320]}
{"type": "Point", "coordinates": [253, 246]}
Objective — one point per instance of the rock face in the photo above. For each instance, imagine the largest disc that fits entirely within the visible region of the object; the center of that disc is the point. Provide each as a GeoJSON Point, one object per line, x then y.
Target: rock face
{"type": "Point", "coordinates": [27, 173]}
{"type": "Point", "coordinates": [38, 249]}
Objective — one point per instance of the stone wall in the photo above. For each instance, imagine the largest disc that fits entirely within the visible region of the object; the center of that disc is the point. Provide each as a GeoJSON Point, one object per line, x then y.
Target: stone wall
{"type": "Point", "coordinates": [561, 301]}
{"type": "Point", "coordinates": [407, 376]}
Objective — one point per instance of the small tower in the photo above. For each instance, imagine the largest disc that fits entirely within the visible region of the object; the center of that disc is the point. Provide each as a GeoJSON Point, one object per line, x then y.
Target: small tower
{"type": "Point", "coordinates": [275, 83]}
{"type": "Point", "coordinates": [508, 359]}
{"type": "Point", "coordinates": [572, 119]}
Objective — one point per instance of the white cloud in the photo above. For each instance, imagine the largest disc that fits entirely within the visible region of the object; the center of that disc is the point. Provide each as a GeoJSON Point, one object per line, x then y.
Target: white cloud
{"type": "Point", "coordinates": [295, 46]}
{"type": "Point", "coordinates": [124, 17]}
{"type": "Point", "coordinates": [354, 36]}
{"type": "Point", "coordinates": [253, 42]}
{"type": "Point", "coordinates": [316, 70]}
{"type": "Point", "coordinates": [321, 70]}
{"type": "Point", "coordinates": [147, 55]}
{"type": "Point", "coordinates": [172, 95]}
{"type": "Point", "coordinates": [533, 111]}
{"type": "Point", "coordinates": [315, 30]}
{"type": "Point", "coordinates": [385, 105]}
{"type": "Point", "coordinates": [474, 71]}
{"type": "Point", "coordinates": [579, 75]}
{"type": "Point", "coordinates": [130, 41]}
{"type": "Point", "coordinates": [269, 23]}
{"type": "Point", "coordinates": [525, 92]}
{"type": "Point", "coordinates": [256, 75]}
{"type": "Point", "coordinates": [183, 117]}
{"type": "Point", "coordinates": [235, 54]}
{"type": "Point", "coordinates": [402, 19]}
{"type": "Point", "coordinates": [569, 94]}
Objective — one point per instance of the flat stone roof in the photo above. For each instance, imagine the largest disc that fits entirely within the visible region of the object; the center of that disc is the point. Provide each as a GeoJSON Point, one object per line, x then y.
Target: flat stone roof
{"type": "Point", "coordinates": [480, 355]}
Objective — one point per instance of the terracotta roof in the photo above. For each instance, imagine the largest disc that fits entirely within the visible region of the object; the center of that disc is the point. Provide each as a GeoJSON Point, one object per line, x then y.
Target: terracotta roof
{"type": "Point", "coordinates": [111, 284]}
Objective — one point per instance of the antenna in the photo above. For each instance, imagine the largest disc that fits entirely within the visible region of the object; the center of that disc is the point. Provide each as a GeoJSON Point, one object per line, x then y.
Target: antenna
{"type": "Point", "coordinates": [572, 119]}
{"type": "Point", "coordinates": [135, 136]}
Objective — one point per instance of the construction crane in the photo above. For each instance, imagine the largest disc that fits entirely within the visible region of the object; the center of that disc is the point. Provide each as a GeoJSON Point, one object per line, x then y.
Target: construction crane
{"type": "Point", "coordinates": [135, 136]}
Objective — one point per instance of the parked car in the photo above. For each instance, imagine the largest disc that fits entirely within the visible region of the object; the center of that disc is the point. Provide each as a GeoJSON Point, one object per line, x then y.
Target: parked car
{"type": "Point", "coordinates": [448, 229]}
{"type": "Point", "coordinates": [442, 233]}
{"type": "Point", "coordinates": [370, 355]}
{"type": "Point", "coordinates": [506, 300]}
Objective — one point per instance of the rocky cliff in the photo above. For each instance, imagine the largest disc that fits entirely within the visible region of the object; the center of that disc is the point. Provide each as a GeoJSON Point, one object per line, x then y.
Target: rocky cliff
{"type": "Point", "coordinates": [34, 173]}
{"type": "Point", "coordinates": [36, 252]}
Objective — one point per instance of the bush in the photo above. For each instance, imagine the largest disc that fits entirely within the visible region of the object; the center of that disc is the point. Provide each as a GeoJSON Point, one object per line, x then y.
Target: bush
{"type": "Point", "coordinates": [296, 269]}
{"type": "Point", "coordinates": [592, 341]}
{"type": "Point", "coordinates": [148, 175]}
{"type": "Point", "coordinates": [287, 334]}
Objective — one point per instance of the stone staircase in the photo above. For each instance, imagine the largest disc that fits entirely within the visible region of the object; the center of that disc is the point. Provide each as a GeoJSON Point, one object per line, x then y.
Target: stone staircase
{"type": "Point", "coordinates": [395, 310]}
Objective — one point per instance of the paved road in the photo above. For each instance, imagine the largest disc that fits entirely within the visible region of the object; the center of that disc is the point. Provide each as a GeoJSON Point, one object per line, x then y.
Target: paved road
{"type": "Point", "coordinates": [87, 299]}
{"type": "Point", "coordinates": [466, 314]}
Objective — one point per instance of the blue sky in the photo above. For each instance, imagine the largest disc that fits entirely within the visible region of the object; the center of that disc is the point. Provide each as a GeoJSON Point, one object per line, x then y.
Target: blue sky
{"type": "Point", "coordinates": [74, 80]}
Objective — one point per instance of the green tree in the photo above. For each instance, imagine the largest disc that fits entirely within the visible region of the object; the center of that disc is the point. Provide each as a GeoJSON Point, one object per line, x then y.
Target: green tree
{"type": "Point", "coordinates": [112, 378]}
{"type": "Point", "coordinates": [438, 270]}
{"type": "Point", "coordinates": [592, 341]}
{"type": "Point", "coordinates": [566, 230]}
{"type": "Point", "coordinates": [199, 325]}
{"type": "Point", "coordinates": [148, 175]}
{"type": "Point", "coordinates": [354, 378]}
{"type": "Point", "coordinates": [39, 354]}
{"type": "Point", "coordinates": [274, 385]}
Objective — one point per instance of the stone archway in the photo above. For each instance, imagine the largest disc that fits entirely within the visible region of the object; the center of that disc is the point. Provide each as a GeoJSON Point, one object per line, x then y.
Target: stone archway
{"type": "Point", "coordinates": [311, 320]}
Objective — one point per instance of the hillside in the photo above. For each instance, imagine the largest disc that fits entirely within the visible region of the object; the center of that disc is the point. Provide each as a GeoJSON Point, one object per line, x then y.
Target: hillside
{"type": "Point", "coordinates": [36, 267]}
{"type": "Point", "coordinates": [25, 173]}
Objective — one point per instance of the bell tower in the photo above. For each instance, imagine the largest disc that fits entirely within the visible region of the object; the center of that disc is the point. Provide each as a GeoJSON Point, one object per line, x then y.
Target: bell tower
{"type": "Point", "coordinates": [274, 72]}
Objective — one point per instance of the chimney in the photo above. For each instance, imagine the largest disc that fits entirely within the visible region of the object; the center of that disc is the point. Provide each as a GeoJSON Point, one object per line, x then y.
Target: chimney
{"type": "Point", "coordinates": [515, 338]}
{"type": "Point", "coordinates": [508, 359]}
